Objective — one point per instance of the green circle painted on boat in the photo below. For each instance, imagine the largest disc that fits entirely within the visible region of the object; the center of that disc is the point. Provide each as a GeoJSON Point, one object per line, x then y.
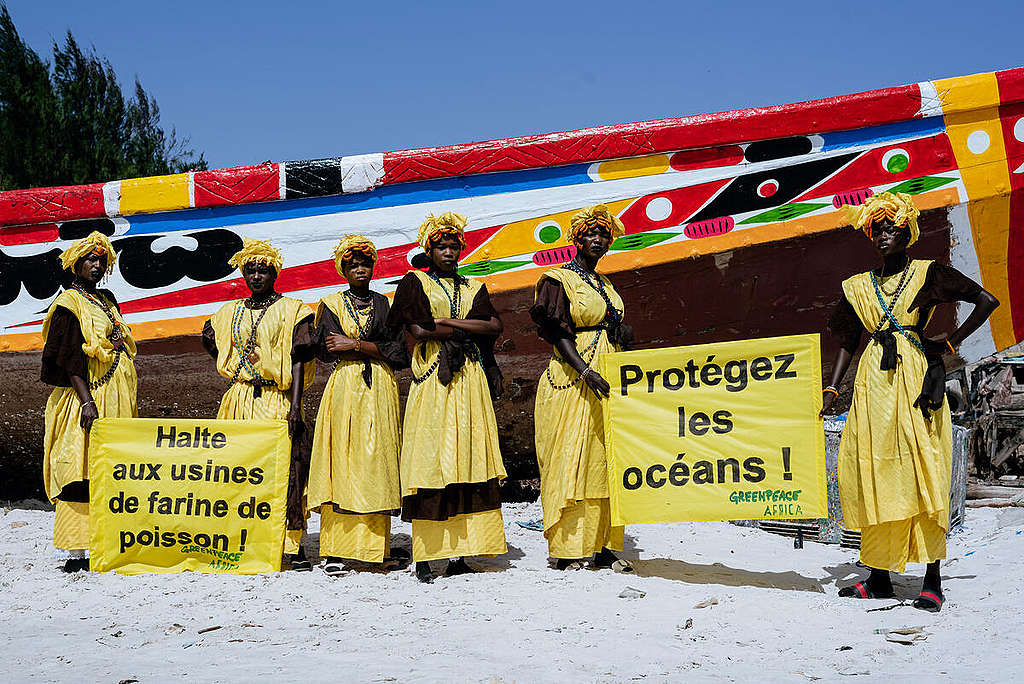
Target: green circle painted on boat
{"type": "Point", "coordinates": [897, 163]}
{"type": "Point", "coordinates": [549, 233]}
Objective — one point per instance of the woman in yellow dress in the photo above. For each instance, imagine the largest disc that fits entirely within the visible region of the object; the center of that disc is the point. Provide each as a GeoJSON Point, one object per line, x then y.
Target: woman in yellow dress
{"type": "Point", "coordinates": [353, 474]}
{"type": "Point", "coordinates": [578, 312]}
{"type": "Point", "coordinates": [450, 465]}
{"type": "Point", "coordinates": [262, 345]}
{"type": "Point", "coordinates": [88, 357]}
{"type": "Point", "coordinates": [895, 457]}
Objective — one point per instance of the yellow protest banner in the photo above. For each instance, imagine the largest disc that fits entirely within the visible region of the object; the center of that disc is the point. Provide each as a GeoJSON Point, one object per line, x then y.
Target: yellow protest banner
{"type": "Point", "coordinates": [167, 495]}
{"type": "Point", "coordinates": [726, 431]}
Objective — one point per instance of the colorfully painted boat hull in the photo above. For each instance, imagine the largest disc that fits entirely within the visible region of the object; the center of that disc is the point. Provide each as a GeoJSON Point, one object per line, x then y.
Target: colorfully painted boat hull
{"type": "Point", "coordinates": [757, 193]}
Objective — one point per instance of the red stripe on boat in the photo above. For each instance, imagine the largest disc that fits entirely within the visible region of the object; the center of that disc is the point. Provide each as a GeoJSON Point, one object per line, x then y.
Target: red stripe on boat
{"type": "Point", "coordinates": [707, 157]}
{"type": "Point", "coordinates": [1011, 89]}
{"type": "Point", "coordinates": [872, 108]}
{"type": "Point", "coordinates": [43, 205]}
{"type": "Point", "coordinates": [238, 185]}
{"type": "Point", "coordinates": [391, 263]}
{"type": "Point", "coordinates": [28, 235]}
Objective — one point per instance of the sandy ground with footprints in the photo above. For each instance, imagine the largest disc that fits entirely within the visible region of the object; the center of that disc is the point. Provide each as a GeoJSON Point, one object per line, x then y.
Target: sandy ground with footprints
{"type": "Point", "coordinates": [769, 612]}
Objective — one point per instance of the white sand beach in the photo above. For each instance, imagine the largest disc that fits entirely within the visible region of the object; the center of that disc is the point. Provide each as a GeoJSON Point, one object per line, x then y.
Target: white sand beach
{"type": "Point", "coordinates": [774, 615]}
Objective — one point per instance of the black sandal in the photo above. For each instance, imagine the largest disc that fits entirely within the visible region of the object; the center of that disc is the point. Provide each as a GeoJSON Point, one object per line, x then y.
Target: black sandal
{"type": "Point", "coordinates": [398, 559]}
{"type": "Point", "coordinates": [861, 590]}
{"type": "Point", "coordinates": [300, 564]}
{"type": "Point", "coordinates": [929, 601]}
{"type": "Point", "coordinates": [424, 573]}
{"type": "Point", "coordinates": [568, 564]}
{"type": "Point", "coordinates": [76, 565]}
{"type": "Point", "coordinates": [334, 567]}
{"type": "Point", "coordinates": [604, 558]}
{"type": "Point", "coordinates": [458, 566]}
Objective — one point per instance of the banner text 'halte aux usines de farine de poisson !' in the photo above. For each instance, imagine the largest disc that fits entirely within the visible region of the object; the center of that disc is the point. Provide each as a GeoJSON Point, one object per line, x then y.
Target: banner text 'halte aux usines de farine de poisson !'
{"type": "Point", "coordinates": [173, 495]}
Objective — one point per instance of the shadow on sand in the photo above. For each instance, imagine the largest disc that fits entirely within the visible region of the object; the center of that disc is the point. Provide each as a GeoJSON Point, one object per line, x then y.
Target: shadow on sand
{"type": "Point", "coordinates": [905, 586]}
{"type": "Point", "coordinates": [716, 573]}
{"type": "Point", "coordinates": [403, 542]}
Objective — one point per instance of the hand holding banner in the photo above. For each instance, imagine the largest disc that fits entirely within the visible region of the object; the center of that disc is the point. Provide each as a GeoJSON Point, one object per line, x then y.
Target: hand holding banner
{"type": "Point", "coordinates": [726, 431]}
{"type": "Point", "coordinates": [167, 495]}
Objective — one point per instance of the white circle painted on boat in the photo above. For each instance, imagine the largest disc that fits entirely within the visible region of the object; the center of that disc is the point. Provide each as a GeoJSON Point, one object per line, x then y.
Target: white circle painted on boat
{"type": "Point", "coordinates": [896, 160]}
{"type": "Point", "coordinates": [547, 232]}
{"type": "Point", "coordinates": [659, 208]}
{"type": "Point", "coordinates": [978, 141]}
{"type": "Point", "coordinates": [768, 188]}
{"type": "Point", "coordinates": [1018, 129]}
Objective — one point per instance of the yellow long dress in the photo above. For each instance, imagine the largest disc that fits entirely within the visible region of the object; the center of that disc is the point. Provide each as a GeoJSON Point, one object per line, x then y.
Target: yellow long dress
{"type": "Point", "coordinates": [232, 326]}
{"type": "Point", "coordinates": [353, 475]}
{"type": "Point", "coordinates": [569, 430]}
{"type": "Point", "coordinates": [894, 466]}
{"type": "Point", "coordinates": [65, 443]}
{"type": "Point", "coordinates": [450, 448]}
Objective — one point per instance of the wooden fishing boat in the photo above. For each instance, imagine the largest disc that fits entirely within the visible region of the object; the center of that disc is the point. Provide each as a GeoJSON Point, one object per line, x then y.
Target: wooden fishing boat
{"type": "Point", "coordinates": [733, 220]}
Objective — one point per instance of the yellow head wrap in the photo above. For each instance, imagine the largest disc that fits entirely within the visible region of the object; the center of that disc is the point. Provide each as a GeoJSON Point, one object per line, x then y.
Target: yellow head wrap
{"type": "Point", "coordinates": [448, 224]}
{"type": "Point", "coordinates": [260, 251]}
{"type": "Point", "coordinates": [93, 242]}
{"type": "Point", "coordinates": [898, 208]}
{"type": "Point", "coordinates": [597, 215]}
{"type": "Point", "coordinates": [351, 245]}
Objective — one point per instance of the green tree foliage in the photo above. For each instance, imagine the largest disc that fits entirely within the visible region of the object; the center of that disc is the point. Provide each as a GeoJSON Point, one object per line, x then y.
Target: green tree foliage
{"type": "Point", "coordinates": [70, 123]}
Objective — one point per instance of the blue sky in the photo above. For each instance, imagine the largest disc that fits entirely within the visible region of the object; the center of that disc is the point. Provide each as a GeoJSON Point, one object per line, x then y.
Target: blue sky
{"type": "Point", "coordinates": [283, 81]}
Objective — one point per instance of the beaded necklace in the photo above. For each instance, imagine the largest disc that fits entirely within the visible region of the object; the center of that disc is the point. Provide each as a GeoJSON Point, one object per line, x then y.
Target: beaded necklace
{"type": "Point", "coordinates": [889, 316]}
{"type": "Point", "coordinates": [363, 329]}
{"type": "Point", "coordinates": [254, 305]}
{"type": "Point", "coordinates": [610, 312]}
{"type": "Point", "coordinates": [879, 291]}
{"type": "Point", "coordinates": [590, 278]}
{"type": "Point", "coordinates": [455, 307]}
{"type": "Point", "coordinates": [365, 300]}
{"type": "Point", "coordinates": [901, 283]}
{"type": "Point", "coordinates": [430, 371]}
{"type": "Point", "coordinates": [247, 356]}
{"type": "Point", "coordinates": [116, 337]}
{"type": "Point", "coordinates": [591, 349]}
{"type": "Point", "coordinates": [454, 302]}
